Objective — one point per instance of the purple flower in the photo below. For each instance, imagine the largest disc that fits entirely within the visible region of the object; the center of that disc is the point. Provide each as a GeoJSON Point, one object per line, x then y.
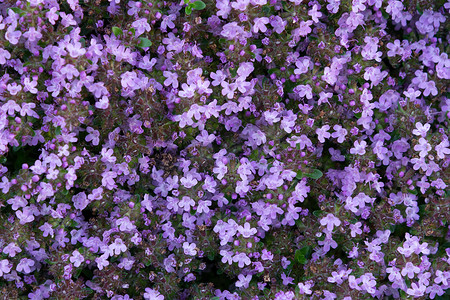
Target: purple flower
{"type": "Point", "coordinates": [5, 267]}
{"type": "Point", "coordinates": [25, 216]}
{"type": "Point", "coordinates": [421, 129]}
{"type": "Point", "coordinates": [442, 149]}
{"type": "Point", "coordinates": [243, 281]}
{"type": "Point", "coordinates": [125, 224]}
{"type": "Point", "coordinates": [151, 294]}
{"type": "Point", "coordinates": [359, 148]}
{"type": "Point", "coordinates": [304, 28]}
{"type": "Point", "coordinates": [416, 290]}
{"type": "Point", "coordinates": [172, 79]}
{"type": "Point", "coordinates": [410, 269]}
{"type": "Point", "coordinates": [330, 221]}
{"type": "Point", "coordinates": [32, 35]}
{"type": "Point", "coordinates": [278, 24]}
{"type": "Point", "coordinates": [242, 259]}
{"type": "Point", "coordinates": [219, 76]}
{"type": "Point", "coordinates": [12, 249]}
{"type": "Point", "coordinates": [434, 290]}
{"type": "Point", "coordinates": [75, 49]}
{"type": "Point", "coordinates": [108, 179]}
{"type": "Point", "coordinates": [368, 283]}
{"type": "Point", "coordinates": [323, 133]}
{"type": "Point", "coordinates": [186, 203]}
{"type": "Point", "coordinates": [266, 255]}
{"type": "Point", "coordinates": [93, 136]}
{"type": "Point", "coordinates": [315, 13]}
{"type": "Point", "coordinates": [118, 246]}
{"type": "Point", "coordinates": [227, 256]}
{"type": "Point", "coordinates": [190, 248]}
{"type": "Point", "coordinates": [4, 56]}
{"type": "Point", "coordinates": [423, 147]}
{"type": "Point", "coordinates": [339, 133]}
{"type": "Point", "coordinates": [355, 229]}
{"type": "Point", "coordinates": [76, 258]}
{"type": "Point", "coordinates": [304, 91]}
{"type": "Point", "coordinates": [260, 24]}
{"type": "Point", "coordinates": [47, 230]}
{"type": "Point", "coordinates": [246, 230]}
{"type": "Point", "coordinates": [102, 261]}
{"type": "Point", "coordinates": [286, 279]}
{"type": "Point", "coordinates": [141, 26]}
{"type": "Point", "coordinates": [25, 265]}
{"type": "Point", "coordinates": [305, 288]}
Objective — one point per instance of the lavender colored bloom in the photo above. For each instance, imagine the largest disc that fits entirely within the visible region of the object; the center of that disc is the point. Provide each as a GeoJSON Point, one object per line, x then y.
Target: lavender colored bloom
{"type": "Point", "coordinates": [243, 281]}
{"type": "Point", "coordinates": [330, 221]}
{"type": "Point", "coordinates": [141, 26]}
{"type": "Point", "coordinates": [25, 265]}
{"type": "Point", "coordinates": [260, 24]}
{"type": "Point", "coordinates": [151, 294]}
{"type": "Point", "coordinates": [76, 258]}
{"type": "Point", "coordinates": [323, 133]}
{"type": "Point", "coordinates": [190, 248]}
{"type": "Point", "coordinates": [5, 267]}
{"type": "Point", "coordinates": [359, 148]}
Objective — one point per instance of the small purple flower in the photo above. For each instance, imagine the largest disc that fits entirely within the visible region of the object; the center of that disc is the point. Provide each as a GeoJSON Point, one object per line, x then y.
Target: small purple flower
{"type": "Point", "coordinates": [108, 180]}
{"type": "Point", "coordinates": [339, 133]}
{"type": "Point", "coordinates": [141, 26]}
{"type": "Point", "coordinates": [330, 221]}
{"type": "Point", "coordinates": [410, 269]}
{"type": "Point", "coordinates": [242, 259]}
{"type": "Point", "coordinates": [286, 279]}
{"type": "Point", "coordinates": [359, 148]}
{"type": "Point", "coordinates": [190, 248]}
{"type": "Point", "coordinates": [243, 281]}
{"type": "Point", "coordinates": [186, 203]}
{"type": "Point", "coordinates": [151, 294]}
{"type": "Point", "coordinates": [93, 136]}
{"type": "Point", "coordinates": [25, 265]}
{"type": "Point", "coordinates": [76, 258]}
{"type": "Point", "coordinates": [260, 24]}
{"type": "Point", "coordinates": [5, 267]}
{"type": "Point", "coordinates": [323, 133]}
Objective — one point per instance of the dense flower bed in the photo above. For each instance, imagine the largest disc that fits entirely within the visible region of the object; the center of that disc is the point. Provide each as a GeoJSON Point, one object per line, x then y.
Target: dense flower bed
{"type": "Point", "coordinates": [249, 149]}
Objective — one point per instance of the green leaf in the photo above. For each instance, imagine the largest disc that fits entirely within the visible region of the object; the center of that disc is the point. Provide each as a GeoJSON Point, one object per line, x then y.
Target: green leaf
{"type": "Point", "coordinates": [299, 175]}
{"type": "Point", "coordinates": [300, 257]}
{"type": "Point", "coordinates": [188, 9]}
{"type": "Point", "coordinates": [144, 43]}
{"type": "Point", "coordinates": [317, 213]}
{"type": "Point", "coordinates": [315, 174]}
{"type": "Point", "coordinates": [414, 192]}
{"type": "Point", "coordinates": [17, 11]}
{"type": "Point", "coordinates": [117, 31]}
{"type": "Point", "coordinates": [77, 273]}
{"type": "Point", "coordinates": [198, 5]}
{"type": "Point", "coordinates": [306, 251]}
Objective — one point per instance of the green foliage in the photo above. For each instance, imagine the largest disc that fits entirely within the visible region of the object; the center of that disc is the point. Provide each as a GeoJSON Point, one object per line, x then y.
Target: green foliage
{"type": "Point", "coordinates": [302, 255]}
{"type": "Point", "coordinates": [144, 43]}
{"type": "Point", "coordinates": [117, 31]}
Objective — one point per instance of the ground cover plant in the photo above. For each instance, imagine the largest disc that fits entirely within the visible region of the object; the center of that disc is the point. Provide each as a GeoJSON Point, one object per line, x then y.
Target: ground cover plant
{"type": "Point", "coordinates": [249, 149]}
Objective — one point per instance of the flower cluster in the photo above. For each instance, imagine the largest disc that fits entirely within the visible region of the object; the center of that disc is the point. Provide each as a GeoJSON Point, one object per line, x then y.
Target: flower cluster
{"type": "Point", "coordinates": [230, 149]}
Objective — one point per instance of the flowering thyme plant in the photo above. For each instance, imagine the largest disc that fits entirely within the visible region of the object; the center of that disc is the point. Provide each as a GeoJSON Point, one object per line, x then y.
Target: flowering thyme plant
{"type": "Point", "coordinates": [248, 149]}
